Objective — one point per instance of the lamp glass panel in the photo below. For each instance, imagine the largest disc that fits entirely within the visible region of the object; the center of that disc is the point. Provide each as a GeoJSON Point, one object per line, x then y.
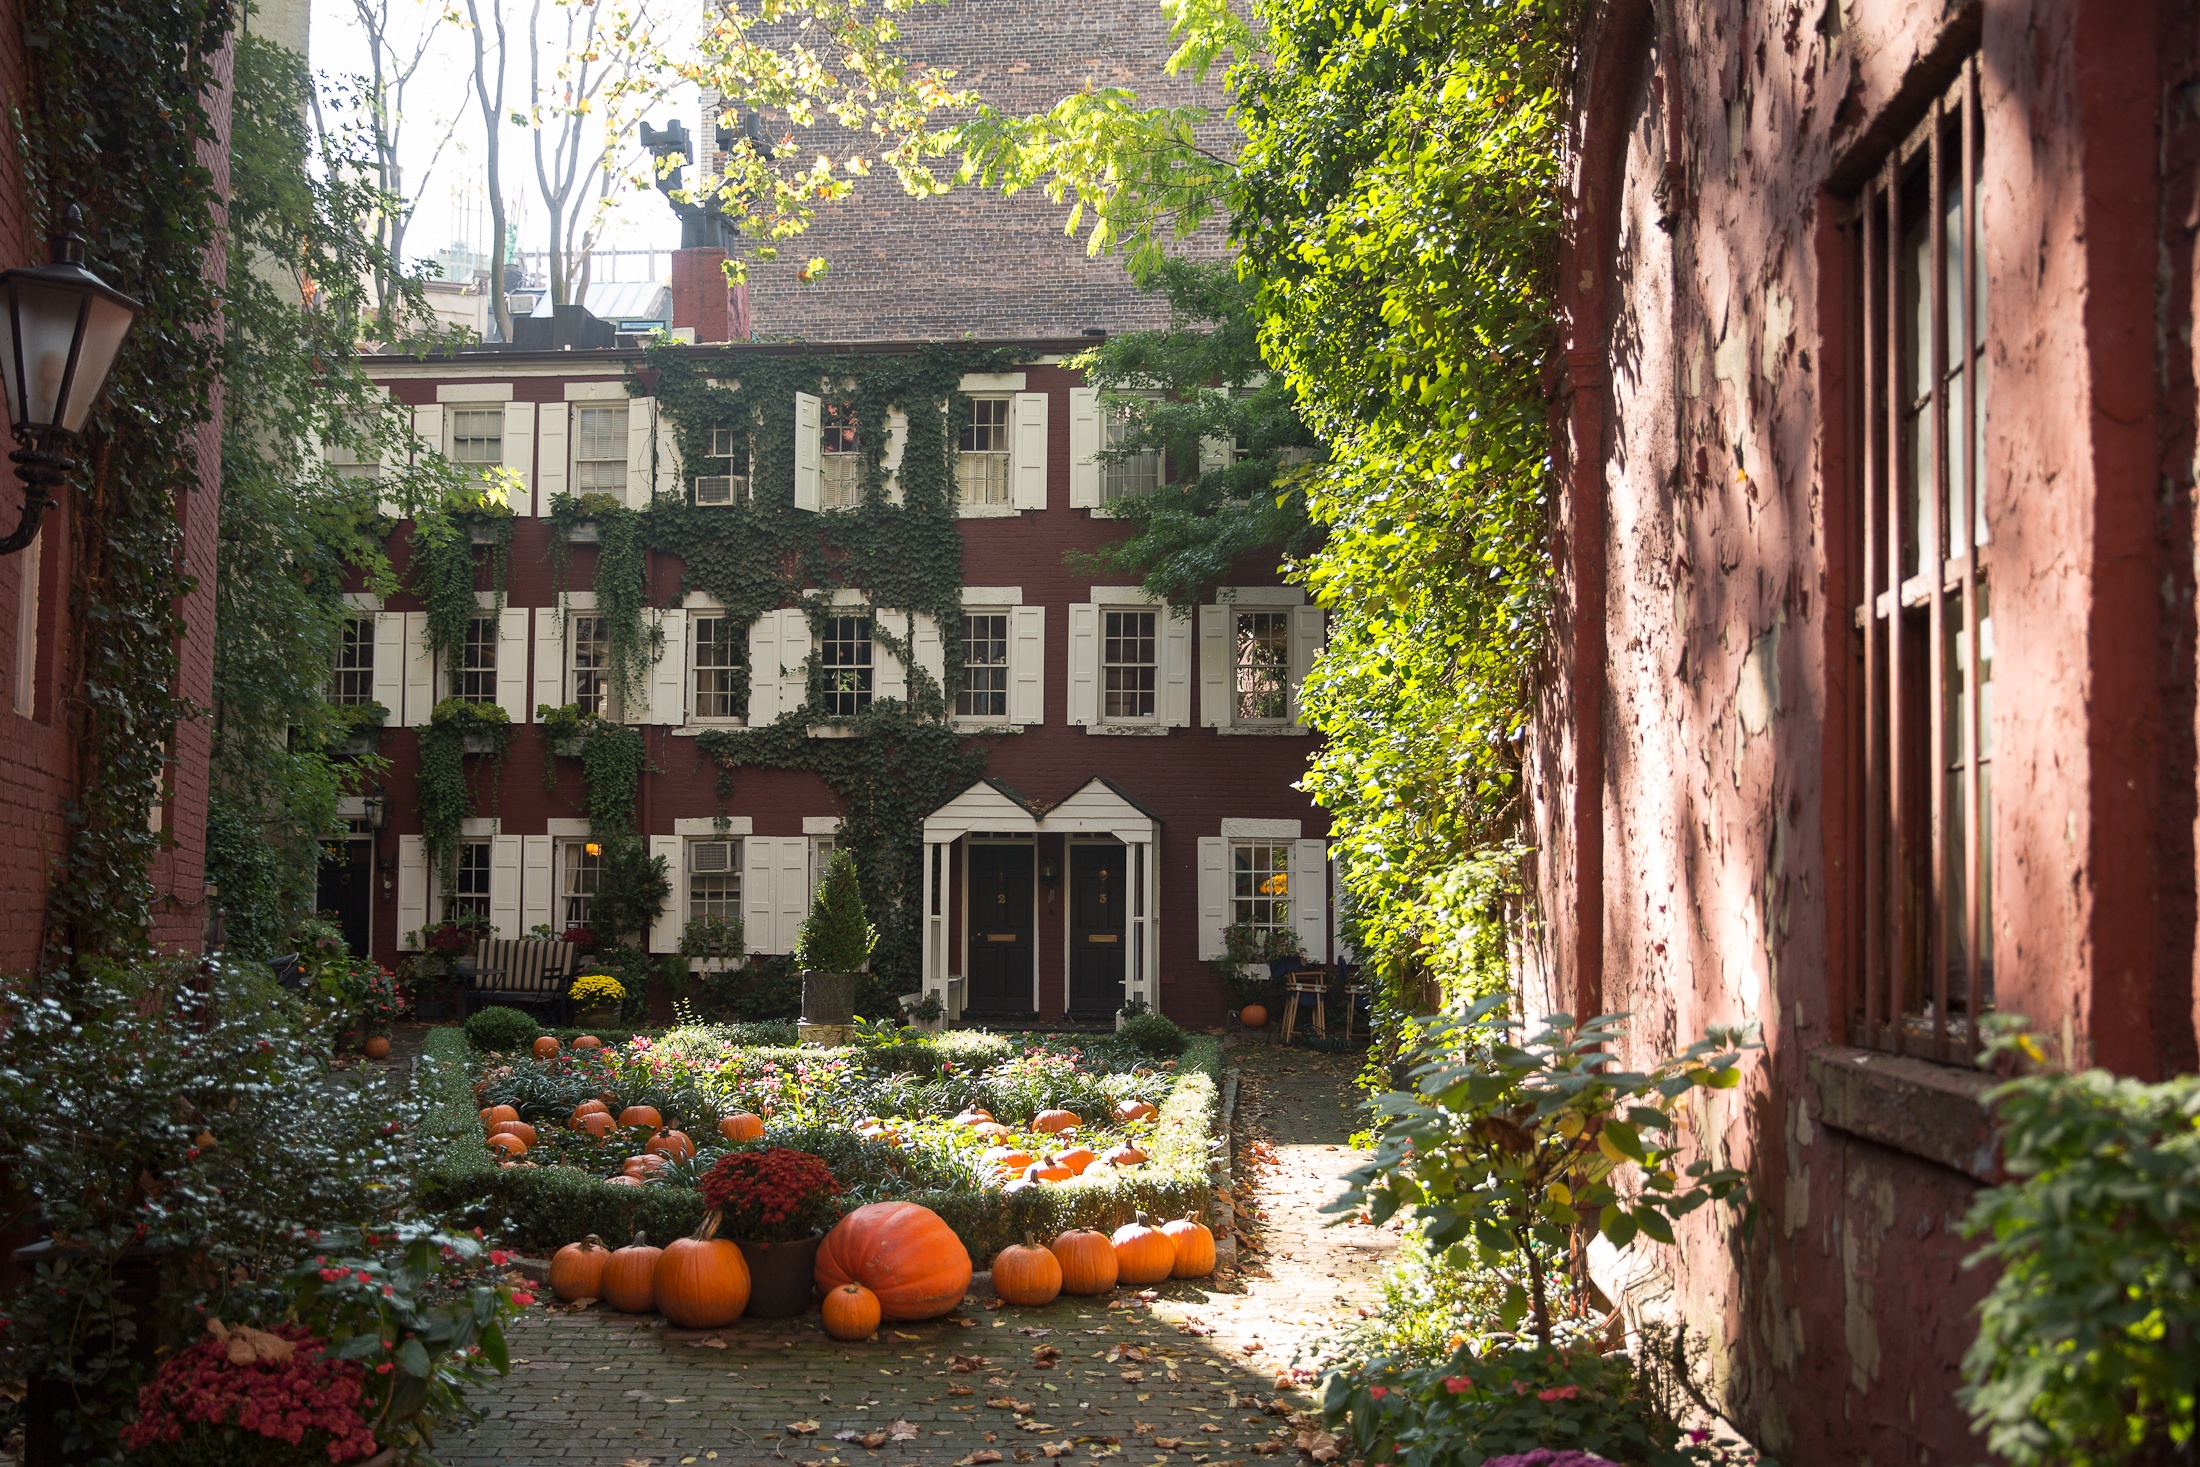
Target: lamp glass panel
{"type": "Point", "coordinates": [42, 327]}
{"type": "Point", "coordinates": [105, 326]}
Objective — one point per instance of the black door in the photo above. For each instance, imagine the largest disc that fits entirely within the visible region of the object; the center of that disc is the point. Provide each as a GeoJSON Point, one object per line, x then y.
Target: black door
{"type": "Point", "coordinates": [1001, 946]}
{"type": "Point", "coordinates": [1097, 931]}
{"type": "Point", "coordinates": [346, 887]}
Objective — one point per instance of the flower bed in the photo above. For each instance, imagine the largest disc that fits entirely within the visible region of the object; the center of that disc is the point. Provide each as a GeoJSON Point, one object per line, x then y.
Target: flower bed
{"type": "Point", "coordinates": [880, 1114]}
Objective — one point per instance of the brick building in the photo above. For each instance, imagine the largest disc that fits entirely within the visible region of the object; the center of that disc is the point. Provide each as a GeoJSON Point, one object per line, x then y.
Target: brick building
{"type": "Point", "coordinates": [1878, 370]}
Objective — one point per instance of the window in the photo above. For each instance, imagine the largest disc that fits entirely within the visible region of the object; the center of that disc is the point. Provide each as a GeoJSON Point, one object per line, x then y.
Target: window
{"type": "Point", "coordinates": [346, 460]}
{"type": "Point", "coordinates": [841, 485]}
{"type": "Point", "coordinates": [469, 893]}
{"type": "Point", "coordinates": [1135, 473]}
{"type": "Point", "coordinates": [1263, 667]}
{"type": "Point", "coordinates": [1260, 883]}
{"type": "Point", "coordinates": [723, 481]}
{"type": "Point", "coordinates": [714, 879]}
{"type": "Point", "coordinates": [722, 440]}
{"type": "Point", "coordinates": [720, 649]}
{"type": "Point", "coordinates": [353, 684]}
{"type": "Point", "coordinates": [1127, 665]}
{"type": "Point", "coordinates": [981, 470]}
{"type": "Point", "coordinates": [821, 856]}
{"type": "Point", "coordinates": [1925, 610]}
{"type": "Point", "coordinates": [580, 869]}
{"type": "Point", "coordinates": [984, 693]}
{"type": "Point", "coordinates": [477, 662]}
{"type": "Point", "coordinates": [477, 435]}
{"type": "Point", "coordinates": [588, 663]}
{"type": "Point", "coordinates": [599, 450]}
{"type": "Point", "coordinates": [845, 659]}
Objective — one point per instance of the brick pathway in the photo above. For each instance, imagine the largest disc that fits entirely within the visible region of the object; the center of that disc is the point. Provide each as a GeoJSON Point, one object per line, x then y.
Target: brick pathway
{"type": "Point", "coordinates": [1183, 1373]}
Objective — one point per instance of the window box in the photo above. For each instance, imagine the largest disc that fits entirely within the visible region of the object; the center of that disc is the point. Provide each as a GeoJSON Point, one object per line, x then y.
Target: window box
{"type": "Point", "coordinates": [1937, 1112]}
{"type": "Point", "coordinates": [583, 533]}
{"type": "Point", "coordinates": [480, 744]}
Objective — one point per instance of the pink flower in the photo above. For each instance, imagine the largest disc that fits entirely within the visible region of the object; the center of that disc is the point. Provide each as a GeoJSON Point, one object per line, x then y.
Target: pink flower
{"type": "Point", "coordinates": [1559, 1393]}
{"type": "Point", "coordinates": [499, 1257]}
{"type": "Point", "coordinates": [1376, 1393]}
{"type": "Point", "coordinates": [522, 1298]}
{"type": "Point", "coordinates": [384, 1368]}
{"type": "Point", "coordinates": [1458, 1385]}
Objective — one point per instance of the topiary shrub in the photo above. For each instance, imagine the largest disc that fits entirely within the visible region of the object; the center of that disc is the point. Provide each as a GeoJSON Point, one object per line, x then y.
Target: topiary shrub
{"type": "Point", "coordinates": [837, 937]}
{"type": "Point", "coordinates": [499, 1028]}
{"type": "Point", "coordinates": [1155, 1034]}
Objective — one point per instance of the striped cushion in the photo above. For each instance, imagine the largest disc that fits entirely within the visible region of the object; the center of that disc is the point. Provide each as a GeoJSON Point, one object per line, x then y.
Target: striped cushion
{"type": "Point", "coordinates": [528, 964]}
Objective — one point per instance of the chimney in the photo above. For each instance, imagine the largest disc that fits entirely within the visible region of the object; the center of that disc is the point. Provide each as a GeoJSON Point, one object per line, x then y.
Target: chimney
{"type": "Point", "coordinates": [702, 299]}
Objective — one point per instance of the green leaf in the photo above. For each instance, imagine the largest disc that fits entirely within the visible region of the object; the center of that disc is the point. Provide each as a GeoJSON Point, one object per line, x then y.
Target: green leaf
{"type": "Point", "coordinates": [412, 1359]}
{"type": "Point", "coordinates": [1653, 1224]}
{"type": "Point", "coordinates": [1619, 1226]}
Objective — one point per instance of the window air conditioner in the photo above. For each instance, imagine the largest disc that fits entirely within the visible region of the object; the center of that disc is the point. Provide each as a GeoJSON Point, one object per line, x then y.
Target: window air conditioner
{"type": "Point", "coordinates": [720, 488]}
{"type": "Point", "coordinates": [705, 856]}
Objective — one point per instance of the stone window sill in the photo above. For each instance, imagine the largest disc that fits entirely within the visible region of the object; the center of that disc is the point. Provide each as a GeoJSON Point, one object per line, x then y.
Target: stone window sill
{"type": "Point", "coordinates": [986, 511]}
{"type": "Point", "coordinates": [1129, 730]}
{"type": "Point", "coordinates": [1936, 1112]}
{"type": "Point", "coordinates": [1263, 730]}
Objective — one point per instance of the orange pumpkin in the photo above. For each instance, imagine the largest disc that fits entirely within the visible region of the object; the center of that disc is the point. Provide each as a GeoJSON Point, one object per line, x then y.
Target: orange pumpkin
{"type": "Point", "coordinates": [595, 1123]}
{"type": "Point", "coordinates": [641, 1115]}
{"type": "Point", "coordinates": [1049, 1170]}
{"type": "Point", "coordinates": [901, 1252]}
{"type": "Point", "coordinates": [624, 1179]}
{"type": "Point", "coordinates": [1077, 1158]}
{"type": "Point", "coordinates": [1025, 1273]}
{"type": "Point", "coordinates": [1195, 1248]}
{"type": "Point", "coordinates": [588, 1041]}
{"type": "Point", "coordinates": [576, 1270]}
{"type": "Point", "coordinates": [742, 1127]}
{"type": "Point", "coordinates": [507, 1143]}
{"type": "Point", "coordinates": [1143, 1253]}
{"type": "Point", "coordinates": [674, 1144]}
{"type": "Point", "coordinates": [1087, 1259]}
{"type": "Point", "coordinates": [1252, 1016]}
{"type": "Point", "coordinates": [646, 1165]}
{"type": "Point", "coordinates": [520, 1129]}
{"type": "Point", "coordinates": [547, 1046]}
{"type": "Point", "coordinates": [497, 1113]}
{"type": "Point", "coordinates": [630, 1277]}
{"type": "Point", "coordinates": [1052, 1122]}
{"type": "Point", "coordinates": [702, 1282]}
{"type": "Point", "coordinates": [990, 1131]}
{"type": "Point", "coordinates": [376, 1048]}
{"type": "Point", "coordinates": [1134, 1110]}
{"type": "Point", "coordinates": [972, 1115]}
{"type": "Point", "coordinates": [591, 1108]}
{"type": "Point", "coordinates": [1007, 1158]}
{"type": "Point", "coordinates": [851, 1313]}
{"type": "Point", "coordinates": [1124, 1155]}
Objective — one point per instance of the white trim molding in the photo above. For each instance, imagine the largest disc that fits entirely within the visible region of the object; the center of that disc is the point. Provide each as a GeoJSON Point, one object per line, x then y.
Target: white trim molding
{"type": "Point", "coordinates": [707, 825]}
{"type": "Point", "coordinates": [1260, 829]}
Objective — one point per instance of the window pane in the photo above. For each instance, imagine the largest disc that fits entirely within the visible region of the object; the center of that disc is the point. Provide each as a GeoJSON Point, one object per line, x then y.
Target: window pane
{"type": "Point", "coordinates": [477, 677]}
{"type": "Point", "coordinates": [588, 664]}
{"type": "Point", "coordinates": [578, 874]}
{"type": "Point", "coordinates": [720, 649]}
{"type": "Point", "coordinates": [1139, 473]}
{"type": "Point", "coordinates": [1260, 884]}
{"type": "Point", "coordinates": [714, 892]}
{"type": "Point", "coordinates": [469, 893]}
{"type": "Point", "coordinates": [1127, 664]}
{"type": "Point", "coordinates": [844, 658]}
{"type": "Point", "coordinates": [985, 667]}
{"type": "Point", "coordinates": [353, 683]}
{"type": "Point", "coordinates": [1263, 666]}
{"type": "Point", "coordinates": [477, 435]}
{"type": "Point", "coordinates": [599, 450]}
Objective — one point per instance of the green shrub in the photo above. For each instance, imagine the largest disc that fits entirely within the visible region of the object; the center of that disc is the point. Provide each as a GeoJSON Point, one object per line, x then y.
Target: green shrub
{"type": "Point", "coordinates": [499, 1029]}
{"type": "Point", "coordinates": [837, 937]}
{"type": "Point", "coordinates": [1155, 1034]}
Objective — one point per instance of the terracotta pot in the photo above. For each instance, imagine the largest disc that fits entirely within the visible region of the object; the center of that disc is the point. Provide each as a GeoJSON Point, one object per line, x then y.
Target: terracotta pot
{"type": "Point", "coordinates": [782, 1276]}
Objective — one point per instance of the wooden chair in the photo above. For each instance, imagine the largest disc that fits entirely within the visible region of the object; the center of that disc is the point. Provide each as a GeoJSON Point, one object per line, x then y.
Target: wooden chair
{"type": "Point", "coordinates": [1306, 983]}
{"type": "Point", "coordinates": [523, 973]}
{"type": "Point", "coordinates": [1355, 994]}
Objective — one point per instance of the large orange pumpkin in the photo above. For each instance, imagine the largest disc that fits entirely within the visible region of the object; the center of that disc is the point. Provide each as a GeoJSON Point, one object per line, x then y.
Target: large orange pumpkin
{"type": "Point", "coordinates": [990, 1131]}
{"type": "Point", "coordinates": [630, 1277]}
{"type": "Point", "coordinates": [497, 1113]}
{"type": "Point", "coordinates": [674, 1144]}
{"type": "Point", "coordinates": [508, 1144]}
{"type": "Point", "coordinates": [646, 1165]}
{"type": "Point", "coordinates": [851, 1313]}
{"type": "Point", "coordinates": [972, 1115]}
{"type": "Point", "coordinates": [1007, 1158]}
{"type": "Point", "coordinates": [641, 1115]}
{"type": "Point", "coordinates": [1195, 1248]}
{"type": "Point", "coordinates": [576, 1271]}
{"type": "Point", "coordinates": [520, 1129]}
{"type": "Point", "coordinates": [1087, 1259]}
{"type": "Point", "coordinates": [1077, 1158]}
{"type": "Point", "coordinates": [591, 1107]}
{"type": "Point", "coordinates": [588, 1041]}
{"type": "Point", "coordinates": [1124, 1155]}
{"type": "Point", "coordinates": [1025, 1273]}
{"type": "Point", "coordinates": [1143, 1253]}
{"type": "Point", "coordinates": [1252, 1016]}
{"type": "Point", "coordinates": [1049, 1170]}
{"type": "Point", "coordinates": [1133, 1110]}
{"type": "Point", "coordinates": [742, 1127]}
{"type": "Point", "coordinates": [595, 1123]}
{"type": "Point", "coordinates": [546, 1046]}
{"type": "Point", "coordinates": [901, 1252]}
{"type": "Point", "coordinates": [702, 1282]}
{"type": "Point", "coordinates": [1053, 1121]}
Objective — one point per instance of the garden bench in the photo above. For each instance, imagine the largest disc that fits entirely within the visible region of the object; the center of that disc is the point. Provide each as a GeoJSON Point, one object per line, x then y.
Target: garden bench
{"type": "Point", "coordinates": [521, 972]}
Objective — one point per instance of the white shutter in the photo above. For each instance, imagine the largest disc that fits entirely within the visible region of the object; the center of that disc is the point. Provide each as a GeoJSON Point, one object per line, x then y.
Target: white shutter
{"type": "Point", "coordinates": [428, 429]}
{"type": "Point", "coordinates": [519, 454]}
{"type": "Point", "coordinates": [926, 651]}
{"type": "Point", "coordinates": [1309, 628]}
{"type": "Point", "coordinates": [412, 890]}
{"type": "Point", "coordinates": [669, 479]}
{"type": "Point", "coordinates": [512, 666]}
{"type": "Point", "coordinates": [1216, 453]}
{"type": "Point", "coordinates": [1214, 895]}
{"type": "Point", "coordinates": [897, 441]}
{"type": "Point", "coordinates": [759, 864]}
{"type": "Point", "coordinates": [889, 673]}
{"type": "Point", "coordinates": [809, 451]}
{"type": "Point", "coordinates": [1215, 666]}
{"type": "Point", "coordinates": [792, 887]}
{"type": "Point", "coordinates": [664, 933]}
{"type": "Point", "coordinates": [537, 888]}
{"type": "Point", "coordinates": [389, 664]}
{"type": "Point", "coordinates": [553, 422]}
{"type": "Point", "coordinates": [795, 646]}
{"type": "Point", "coordinates": [1310, 897]}
{"type": "Point", "coordinates": [1084, 664]}
{"type": "Point", "coordinates": [419, 671]}
{"type": "Point", "coordinates": [504, 885]}
{"type": "Point", "coordinates": [1027, 665]}
{"type": "Point", "coordinates": [641, 451]}
{"type": "Point", "coordinates": [668, 686]}
{"type": "Point", "coordinates": [1174, 705]}
{"type": "Point", "coordinates": [764, 671]}
{"type": "Point", "coordinates": [1027, 450]}
{"type": "Point", "coordinates": [550, 656]}
{"type": "Point", "coordinates": [1084, 448]}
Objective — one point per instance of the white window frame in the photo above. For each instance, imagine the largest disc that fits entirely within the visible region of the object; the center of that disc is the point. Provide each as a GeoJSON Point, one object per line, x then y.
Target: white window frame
{"type": "Point", "coordinates": [1114, 422]}
{"type": "Point", "coordinates": [840, 470]}
{"type": "Point", "coordinates": [467, 667]}
{"type": "Point", "coordinates": [474, 863]}
{"type": "Point", "coordinates": [690, 899]}
{"type": "Point", "coordinates": [821, 856]}
{"type": "Point", "coordinates": [998, 461]}
{"type": "Point", "coordinates": [601, 465]}
{"type": "Point", "coordinates": [1152, 716]}
{"type": "Point", "coordinates": [355, 639]}
{"type": "Point", "coordinates": [1006, 666]}
{"type": "Point", "coordinates": [864, 673]}
{"type": "Point", "coordinates": [476, 412]}
{"type": "Point", "coordinates": [1278, 903]}
{"type": "Point", "coordinates": [567, 871]}
{"type": "Point", "coordinates": [602, 702]}
{"type": "Point", "coordinates": [738, 640]}
{"type": "Point", "coordinates": [1239, 668]}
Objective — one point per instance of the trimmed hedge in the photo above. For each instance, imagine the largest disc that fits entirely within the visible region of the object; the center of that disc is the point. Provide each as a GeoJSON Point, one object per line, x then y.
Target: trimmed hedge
{"type": "Point", "coordinates": [547, 1207]}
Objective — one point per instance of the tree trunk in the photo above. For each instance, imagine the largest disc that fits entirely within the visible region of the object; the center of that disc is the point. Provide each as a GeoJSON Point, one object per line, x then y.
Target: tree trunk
{"type": "Point", "coordinates": [492, 117]}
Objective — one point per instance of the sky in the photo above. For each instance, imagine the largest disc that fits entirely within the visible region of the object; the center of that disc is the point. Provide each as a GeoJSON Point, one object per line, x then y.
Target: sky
{"type": "Point", "coordinates": [449, 189]}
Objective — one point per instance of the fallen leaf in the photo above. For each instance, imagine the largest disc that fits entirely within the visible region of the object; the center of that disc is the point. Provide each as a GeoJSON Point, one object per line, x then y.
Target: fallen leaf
{"type": "Point", "coordinates": [874, 1439]}
{"type": "Point", "coordinates": [801, 1428]}
{"type": "Point", "coordinates": [1168, 1443]}
{"type": "Point", "coordinates": [965, 1323]}
{"type": "Point", "coordinates": [965, 1364]}
{"type": "Point", "coordinates": [1058, 1449]}
{"type": "Point", "coordinates": [1044, 1356]}
{"type": "Point", "coordinates": [711, 1342]}
{"type": "Point", "coordinates": [1278, 1407]}
{"type": "Point", "coordinates": [635, 1462]}
{"type": "Point", "coordinates": [955, 1390]}
{"type": "Point", "coordinates": [675, 1400]}
{"type": "Point", "coordinates": [982, 1455]}
{"type": "Point", "coordinates": [1009, 1403]}
{"type": "Point", "coordinates": [903, 1431]}
{"type": "Point", "coordinates": [1035, 1425]}
{"type": "Point", "coordinates": [1037, 1334]}
{"type": "Point", "coordinates": [897, 1334]}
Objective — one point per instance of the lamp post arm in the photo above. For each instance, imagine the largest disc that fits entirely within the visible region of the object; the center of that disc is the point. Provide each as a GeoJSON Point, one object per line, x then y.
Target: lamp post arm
{"type": "Point", "coordinates": [43, 463]}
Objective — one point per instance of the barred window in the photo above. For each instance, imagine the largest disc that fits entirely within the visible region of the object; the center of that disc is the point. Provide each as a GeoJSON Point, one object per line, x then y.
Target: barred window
{"type": "Point", "coordinates": [720, 650]}
{"type": "Point", "coordinates": [981, 468]}
{"type": "Point", "coordinates": [1263, 656]}
{"type": "Point", "coordinates": [1134, 473]}
{"type": "Point", "coordinates": [353, 683]}
{"type": "Point", "coordinates": [599, 450]}
{"type": "Point", "coordinates": [1127, 664]}
{"type": "Point", "coordinates": [844, 657]}
{"type": "Point", "coordinates": [1260, 883]}
{"type": "Point", "coordinates": [841, 486]}
{"type": "Point", "coordinates": [714, 879]}
{"type": "Point", "coordinates": [588, 663]}
{"type": "Point", "coordinates": [469, 893]}
{"type": "Point", "coordinates": [984, 693]}
{"type": "Point", "coordinates": [477, 663]}
{"type": "Point", "coordinates": [477, 435]}
{"type": "Point", "coordinates": [580, 869]}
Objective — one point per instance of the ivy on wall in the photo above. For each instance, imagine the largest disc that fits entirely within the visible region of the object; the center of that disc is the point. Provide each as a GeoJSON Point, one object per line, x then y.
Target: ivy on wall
{"type": "Point", "coordinates": [446, 789]}
{"type": "Point", "coordinates": [631, 643]}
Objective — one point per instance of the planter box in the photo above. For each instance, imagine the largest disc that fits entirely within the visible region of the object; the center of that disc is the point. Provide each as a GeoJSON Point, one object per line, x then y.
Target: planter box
{"type": "Point", "coordinates": [479, 744]}
{"type": "Point", "coordinates": [569, 748]}
{"type": "Point", "coordinates": [584, 533]}
{"type": "Point", "coordinates": [829, 998]}
{"type": "Point", "coordinates": [483, 535]}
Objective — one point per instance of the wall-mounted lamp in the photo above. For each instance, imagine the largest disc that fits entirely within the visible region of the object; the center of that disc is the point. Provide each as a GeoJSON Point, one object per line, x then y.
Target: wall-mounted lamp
{"type": "Point", "coordinates": [376, 807]}
{"type": "Point", "coordinates": [1047, 874]}
{"type": "Point", "coordinates": [593, 849]}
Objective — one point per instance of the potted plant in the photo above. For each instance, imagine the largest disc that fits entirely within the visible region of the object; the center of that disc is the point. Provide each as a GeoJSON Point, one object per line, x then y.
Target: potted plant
{"type": "Point", "coordinates": [565, 729]}
{"type": "Point", "coordinates": [712, 944]}
{"type": "Point", "coordinates": [776, 1204]}
{"type": "Point", "coordinates": [832, 952]}
{"type": "Point", "coordinates": [596, 998]}
{"type": "Point", "coordinates": [924, 1011]}
{"type": "Point", "coordinates": [238, 1394]}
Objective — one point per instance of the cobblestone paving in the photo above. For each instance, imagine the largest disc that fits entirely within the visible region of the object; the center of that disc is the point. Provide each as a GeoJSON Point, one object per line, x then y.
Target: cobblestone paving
{"type": "Point", "coordinates": [1183, 1373]}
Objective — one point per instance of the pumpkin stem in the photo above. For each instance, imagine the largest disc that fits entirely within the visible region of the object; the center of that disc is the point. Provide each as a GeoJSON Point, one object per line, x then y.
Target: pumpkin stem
{"type": "Point", "coordinates": [641, 1239]}
{"type": "Point", "coordinates": [709, 1227]}
{"type": "Point", "coordinates": [591, 1244]}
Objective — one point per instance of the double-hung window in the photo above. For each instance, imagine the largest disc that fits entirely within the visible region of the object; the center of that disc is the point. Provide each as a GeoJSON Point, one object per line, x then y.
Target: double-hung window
{"type": "Point", "coordinates": [1260, 884]}
{"type": "Point", "coordinates": [724, 478]}
{"type": "Point", "coordinates": [580, 870]}
{"type": "Point", "coordinates": [1261, 658]}
{"type": "Point", "coordinates": [477, 662]}
{"type": "Point", "coordinates": [599, 450]}
{"type": "Point", "coordinates": [1126, 474]}
{"type": "Point", "coordinates": [469, 893]}
{"type": "Point", "coordinates": [720, 648]}
{"type": "Point", "coordinates": [353, 682]}
{"type": "Point", "coordinates": [588, 663]}
{"type": "Point", "coordinates": [844, 665]}
{"type": "Point", "coordinates": [1925, 613]}
{"type": "Point", "coordinates": [821, 856]}
{"type": "Point", "coordinates": [477, 436]}
{"type": "Point", "coordinates": [981, 467]}
{"type": "Point", "coordinates": [984, 691]}
{"type": "Point", "coordinates": [840, 483]}
{"type": "Point", "coordinates": [1128, 650]}
{"type": "Point", "coordinates": [714, 879]}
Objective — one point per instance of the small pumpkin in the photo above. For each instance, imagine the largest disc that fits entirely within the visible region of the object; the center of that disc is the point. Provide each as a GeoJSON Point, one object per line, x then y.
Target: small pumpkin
{"type": "Point", "coordinates": [595, 1123]}
{"type": "Point", "coordinates": [1195, 1248]}
{"type": "Point", "coordinates": [742, 1127]}
{"type": "Point", "coordinates": [630, 1277]}
{"type": "Point", "coordinates": [547, 1046]}
{"type": "Point", "coordinates": [674, 1144]}
{"type": "Point", "coordinates": [497, 1113]}
{"type": "Point", "coordinates": [1087, 1259]}
{"type": "Point", "coordinates": [1143, 1253]}
{"type": "Point", "coordinates": [624, 1179]}
{"type": "Point", "coordinates": [1134, 1110]}
{"type": "Point", "coordinates": [588, 1041]}
{"type": "Point", "coordinates": [1053, 1122]}
{"type": "Point", "coordinates": [376, 1048]}
{"type": "Point", "coordinates": [902, 1252]}
{"type": "Point", "coordinates": [702, 1282]}
{"type": "Point", "coordinates": [1026, 1273]}
{"type": "Point", "coordinates": [1252, 1016]}
{"type": "Point", "coordinates": [648, 1164]}
{"type": "Point", "coordinates": [971, 1116]}
{"type": "Point", "coordinates": [1124, 1155]}
{"type": "Point", "coordinates": [576, 1270]}
{"type": "Point", "coordinates": [1007, 1158]}
{"type": "Point", "coordinates": [508, 1144]}
{"type": "Point", "coordinates": [520, 1129]}
{"type": "Point", "coordinates": [641, 1115]}
{"type": "Point", "coordinates": [990, 1131]}
{"type": "Point", "coordinates": [1077, 1158]}
{"type": "Point", "coordinates": [1049, 1170]}
{"type": "Point", "coordinates": [851, 1313]}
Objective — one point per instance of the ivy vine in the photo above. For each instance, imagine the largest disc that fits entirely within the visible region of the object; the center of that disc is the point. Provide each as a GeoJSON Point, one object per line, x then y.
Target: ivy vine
{"type": "Point", "coordinates": [632, 644]}
{"type": "Point", "coordinates": [446, 790]}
